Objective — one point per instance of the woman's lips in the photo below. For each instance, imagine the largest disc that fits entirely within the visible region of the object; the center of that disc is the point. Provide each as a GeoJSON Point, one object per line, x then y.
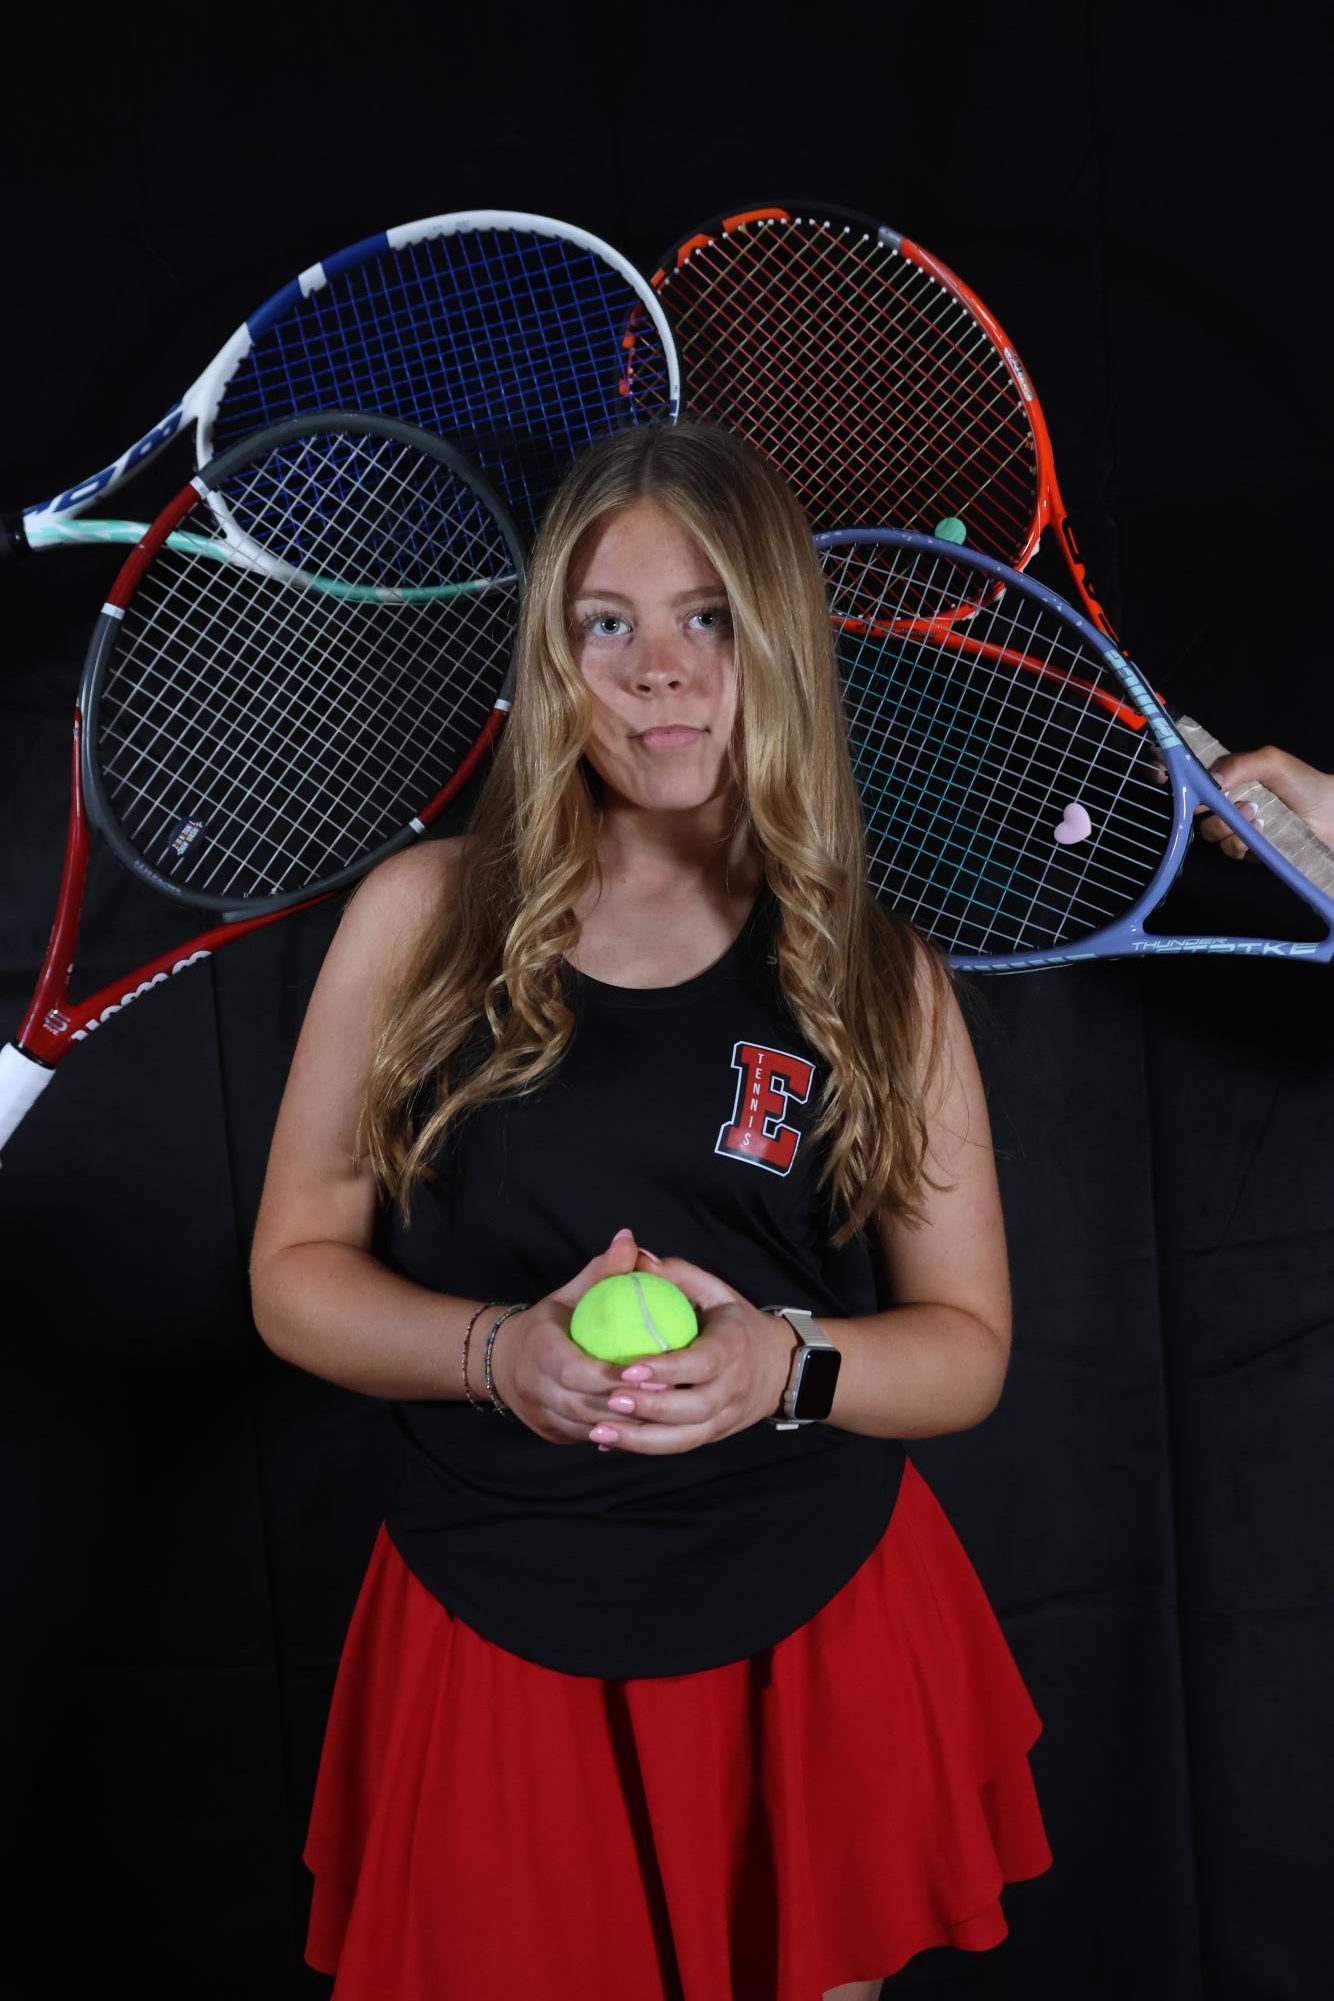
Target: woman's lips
{"type": "Point", "coordinates": [667, 738]}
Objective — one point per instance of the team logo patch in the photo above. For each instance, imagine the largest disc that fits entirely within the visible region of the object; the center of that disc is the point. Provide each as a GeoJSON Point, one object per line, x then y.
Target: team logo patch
{"type": "Point", "coordinates": [768, 1081]}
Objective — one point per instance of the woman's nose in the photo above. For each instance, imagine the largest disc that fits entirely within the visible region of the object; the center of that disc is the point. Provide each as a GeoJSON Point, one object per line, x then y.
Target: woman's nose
{"type": "Point", "coordinates": [659, 664]}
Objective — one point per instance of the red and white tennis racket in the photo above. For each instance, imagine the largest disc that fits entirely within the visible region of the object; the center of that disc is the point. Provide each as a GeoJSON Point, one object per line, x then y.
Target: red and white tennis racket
{"type": "Point", "coordinates": [873, 377]}
{"type": "Point", "coordinates": [251, 734]}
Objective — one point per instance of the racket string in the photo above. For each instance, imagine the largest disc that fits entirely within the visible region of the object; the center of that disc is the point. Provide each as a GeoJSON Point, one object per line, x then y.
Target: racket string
{"type": "Point", "coordinates": [931, 381]}
{"type": "Point", "coordinates": [252, 737]}
{"type": "Point", "coordinates": [508, 342]}
{"type": "Point", "coordinates": [255, 731]}
{"type": "Point", "coordinates": [781, 323]}
{"type": "Point", "coordinates": [292, 728]}
{"type": "Point", "coordinates": [971, 745]}
{"type": "Point", "coordinates": [243, 758]}
{"type": "Point", "coordinates": [398, 529]}
{"type": "Point", "coordinates": [354, 801]}
{"type": "Point", "coordinates": [964, 868]}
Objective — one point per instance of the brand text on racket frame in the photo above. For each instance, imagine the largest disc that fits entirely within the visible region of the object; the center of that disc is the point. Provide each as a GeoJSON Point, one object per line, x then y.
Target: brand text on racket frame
{"type": "Point", "coordinates": [55, 1027]}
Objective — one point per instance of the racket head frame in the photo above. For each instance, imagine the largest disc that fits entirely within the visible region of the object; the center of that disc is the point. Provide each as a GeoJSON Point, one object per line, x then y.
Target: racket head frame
{"type": "Point", "coordinates": [201, 402]}
{"type": "Point", "coordinates": [100, 813]}
{"type": "Point", "coordinates": [1188, 781]}
{"type": "Point", "coordinates": [838, 217]}
{"type": "Point", "coordinates": [1048, 509]}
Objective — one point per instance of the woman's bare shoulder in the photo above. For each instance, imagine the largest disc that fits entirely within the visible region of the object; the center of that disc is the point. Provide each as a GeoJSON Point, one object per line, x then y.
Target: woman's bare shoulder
{"type": "Point", "coordinates": [402, 897]}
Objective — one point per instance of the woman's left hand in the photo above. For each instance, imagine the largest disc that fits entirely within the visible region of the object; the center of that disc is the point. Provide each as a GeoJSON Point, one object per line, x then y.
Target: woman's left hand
{"type": "Point", "coordinates": [731, 1376]}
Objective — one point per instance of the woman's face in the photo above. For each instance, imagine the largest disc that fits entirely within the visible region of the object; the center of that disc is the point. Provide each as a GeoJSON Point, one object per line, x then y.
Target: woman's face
{"type": "Point", "coordinates": [652, 636]}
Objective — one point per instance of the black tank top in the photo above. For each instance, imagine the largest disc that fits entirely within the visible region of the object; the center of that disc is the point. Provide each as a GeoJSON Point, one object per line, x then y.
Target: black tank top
{"type": "Point", "coordinates": [684, 1112]}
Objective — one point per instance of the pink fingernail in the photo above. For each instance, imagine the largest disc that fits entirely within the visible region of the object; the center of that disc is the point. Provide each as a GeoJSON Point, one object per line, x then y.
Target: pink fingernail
{"type": "Point", "coordinates": [653, 1255]}
{"type": "Point", "coordinates": [655, 1386]}
{"type": "Point", "coordinates": [639, 1372]}
{"type": "Point", "coordinates": [602, 1434]}
{"type": "Point", "coordinates": [621, 1403]}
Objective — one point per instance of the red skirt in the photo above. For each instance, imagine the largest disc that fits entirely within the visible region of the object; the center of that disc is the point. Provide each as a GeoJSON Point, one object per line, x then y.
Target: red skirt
{"type": "Point", "coordinates": [817, 1813]}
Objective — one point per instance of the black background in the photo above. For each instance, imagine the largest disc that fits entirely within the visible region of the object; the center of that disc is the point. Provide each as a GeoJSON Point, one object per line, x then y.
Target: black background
{"type": "Point", "coordinates": [1138, 193]}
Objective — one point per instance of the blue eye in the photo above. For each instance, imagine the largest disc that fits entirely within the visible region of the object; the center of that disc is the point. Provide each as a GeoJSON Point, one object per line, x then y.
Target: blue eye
{"type": "Point", "coordinates": [717, 616]}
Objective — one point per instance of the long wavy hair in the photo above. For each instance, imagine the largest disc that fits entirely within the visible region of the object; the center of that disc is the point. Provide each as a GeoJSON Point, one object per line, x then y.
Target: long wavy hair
{"type": "Point", "coordinates": [481, 1012]}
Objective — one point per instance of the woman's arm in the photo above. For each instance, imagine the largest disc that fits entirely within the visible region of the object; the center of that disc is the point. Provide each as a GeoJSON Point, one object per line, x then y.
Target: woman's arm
{"type": "Point", "coordinates": [933, 1363]}
{"type": "Point", "coordinates": [320, 1299]}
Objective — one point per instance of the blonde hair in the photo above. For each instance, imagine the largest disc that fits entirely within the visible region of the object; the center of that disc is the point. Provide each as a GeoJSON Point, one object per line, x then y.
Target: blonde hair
{"type": "Point", "coordinates": [481, 1012]}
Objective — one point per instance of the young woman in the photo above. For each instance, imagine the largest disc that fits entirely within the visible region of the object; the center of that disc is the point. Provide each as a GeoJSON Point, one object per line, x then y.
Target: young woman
{"type": "Point", "coordinates": [645, 1696]}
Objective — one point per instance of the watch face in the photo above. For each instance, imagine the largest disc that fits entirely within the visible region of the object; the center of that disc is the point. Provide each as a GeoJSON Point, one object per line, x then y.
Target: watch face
{"type": "Point", "coordinates": [815, 1389]}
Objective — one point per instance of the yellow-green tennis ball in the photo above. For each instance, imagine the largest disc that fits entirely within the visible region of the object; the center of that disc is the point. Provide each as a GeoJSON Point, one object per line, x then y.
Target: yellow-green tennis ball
{"type": "Point", "coordinates": [951, 529]}
{"type": "Point", "coordinates": [633, 1314]}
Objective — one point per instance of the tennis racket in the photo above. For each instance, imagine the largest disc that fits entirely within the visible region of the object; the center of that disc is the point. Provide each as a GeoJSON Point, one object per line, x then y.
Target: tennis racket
{"type": "Point", "coordinates": [1027, 799]}
{"type": "Point", "coordinates": [882, 387]}
{"type": "Point", "coordinates": [251, 737]}
{"type": "Point", "coordinates": [517, 337]}
{"type": "Point", "coordinates": [871, 375]}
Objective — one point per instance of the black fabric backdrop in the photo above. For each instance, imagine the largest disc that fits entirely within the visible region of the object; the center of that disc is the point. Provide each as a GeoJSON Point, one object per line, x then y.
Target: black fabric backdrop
{"type": "Point", "coordinates": [1137, 195]}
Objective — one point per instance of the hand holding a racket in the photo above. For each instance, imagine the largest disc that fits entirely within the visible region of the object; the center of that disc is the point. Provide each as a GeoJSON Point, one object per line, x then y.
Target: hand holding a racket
{"type": "Point", "coordinates": [1308, 792]}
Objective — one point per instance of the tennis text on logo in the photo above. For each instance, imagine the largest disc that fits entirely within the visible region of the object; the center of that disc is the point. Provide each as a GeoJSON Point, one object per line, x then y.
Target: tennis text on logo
{"type": "Point", "coordinates": [135, 993]}
{"type": "Point", "coordinates": [769, 1080]}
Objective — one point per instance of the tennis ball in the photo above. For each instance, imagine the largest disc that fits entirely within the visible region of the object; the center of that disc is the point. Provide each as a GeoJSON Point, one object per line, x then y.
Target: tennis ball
{"type": "Point", "coordinates": [633, 1314]}
{"type": "Point", "coordinates": [951, 529]}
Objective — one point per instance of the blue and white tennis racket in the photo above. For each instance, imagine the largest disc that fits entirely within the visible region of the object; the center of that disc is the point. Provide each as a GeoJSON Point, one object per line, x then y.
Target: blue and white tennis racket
{"type": "Point", "coordinates": [515, 337]}
{"type": "Point", "coordinates": [1027, 799]}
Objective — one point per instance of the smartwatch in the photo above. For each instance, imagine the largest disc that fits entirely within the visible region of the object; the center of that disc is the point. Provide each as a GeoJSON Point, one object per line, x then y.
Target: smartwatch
{"type": "Point", "coordinates": [809, 1395]}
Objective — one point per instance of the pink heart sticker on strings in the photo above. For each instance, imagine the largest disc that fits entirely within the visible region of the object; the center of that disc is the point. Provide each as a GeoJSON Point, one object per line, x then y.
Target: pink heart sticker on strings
{"type": "Point", "coordinates": [1075, 826]}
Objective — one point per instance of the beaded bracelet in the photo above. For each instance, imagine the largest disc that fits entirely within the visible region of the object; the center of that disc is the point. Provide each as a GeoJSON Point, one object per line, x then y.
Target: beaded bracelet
{"type": "Point", "coordinates": [478, 1403]}
{"type": "Point", "coordinates": [496, 1325]}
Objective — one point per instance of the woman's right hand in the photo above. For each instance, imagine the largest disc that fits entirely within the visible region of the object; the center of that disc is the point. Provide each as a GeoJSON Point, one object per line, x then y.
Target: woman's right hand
{"type": "Point", "coordinates": [551, 1385]}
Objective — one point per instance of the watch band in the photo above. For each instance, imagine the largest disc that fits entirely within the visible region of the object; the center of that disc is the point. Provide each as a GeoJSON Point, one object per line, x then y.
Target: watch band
{"type": "Point", "coordinates": [810, 1334]}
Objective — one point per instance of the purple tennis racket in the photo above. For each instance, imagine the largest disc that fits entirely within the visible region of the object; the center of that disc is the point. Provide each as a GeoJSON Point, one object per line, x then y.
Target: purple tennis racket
{"type": "Point", "coordinates": [1027, 799]}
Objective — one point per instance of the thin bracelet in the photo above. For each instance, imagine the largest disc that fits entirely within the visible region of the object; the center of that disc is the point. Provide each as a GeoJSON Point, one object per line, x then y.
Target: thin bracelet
{"type": "Point", "coordinates": [497, 1400]}
{"type": "Point", "coordinates": [478, 1403]}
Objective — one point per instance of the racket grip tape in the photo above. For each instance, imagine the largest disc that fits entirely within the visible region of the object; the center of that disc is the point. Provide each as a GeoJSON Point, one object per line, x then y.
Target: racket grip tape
{"type": "Point", "coordinates": [22, 1081]}
{"type": "Point", "coordinates": [1284, 829]}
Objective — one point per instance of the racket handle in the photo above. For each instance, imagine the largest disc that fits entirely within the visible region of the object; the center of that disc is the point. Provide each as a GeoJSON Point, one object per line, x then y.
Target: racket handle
{"type": "Point", "coordinates": [1283, 828]}
{"type": "Point", "coordinates": [22, 1081]}
{"type": "Point", "coordinates": [13, 541]}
